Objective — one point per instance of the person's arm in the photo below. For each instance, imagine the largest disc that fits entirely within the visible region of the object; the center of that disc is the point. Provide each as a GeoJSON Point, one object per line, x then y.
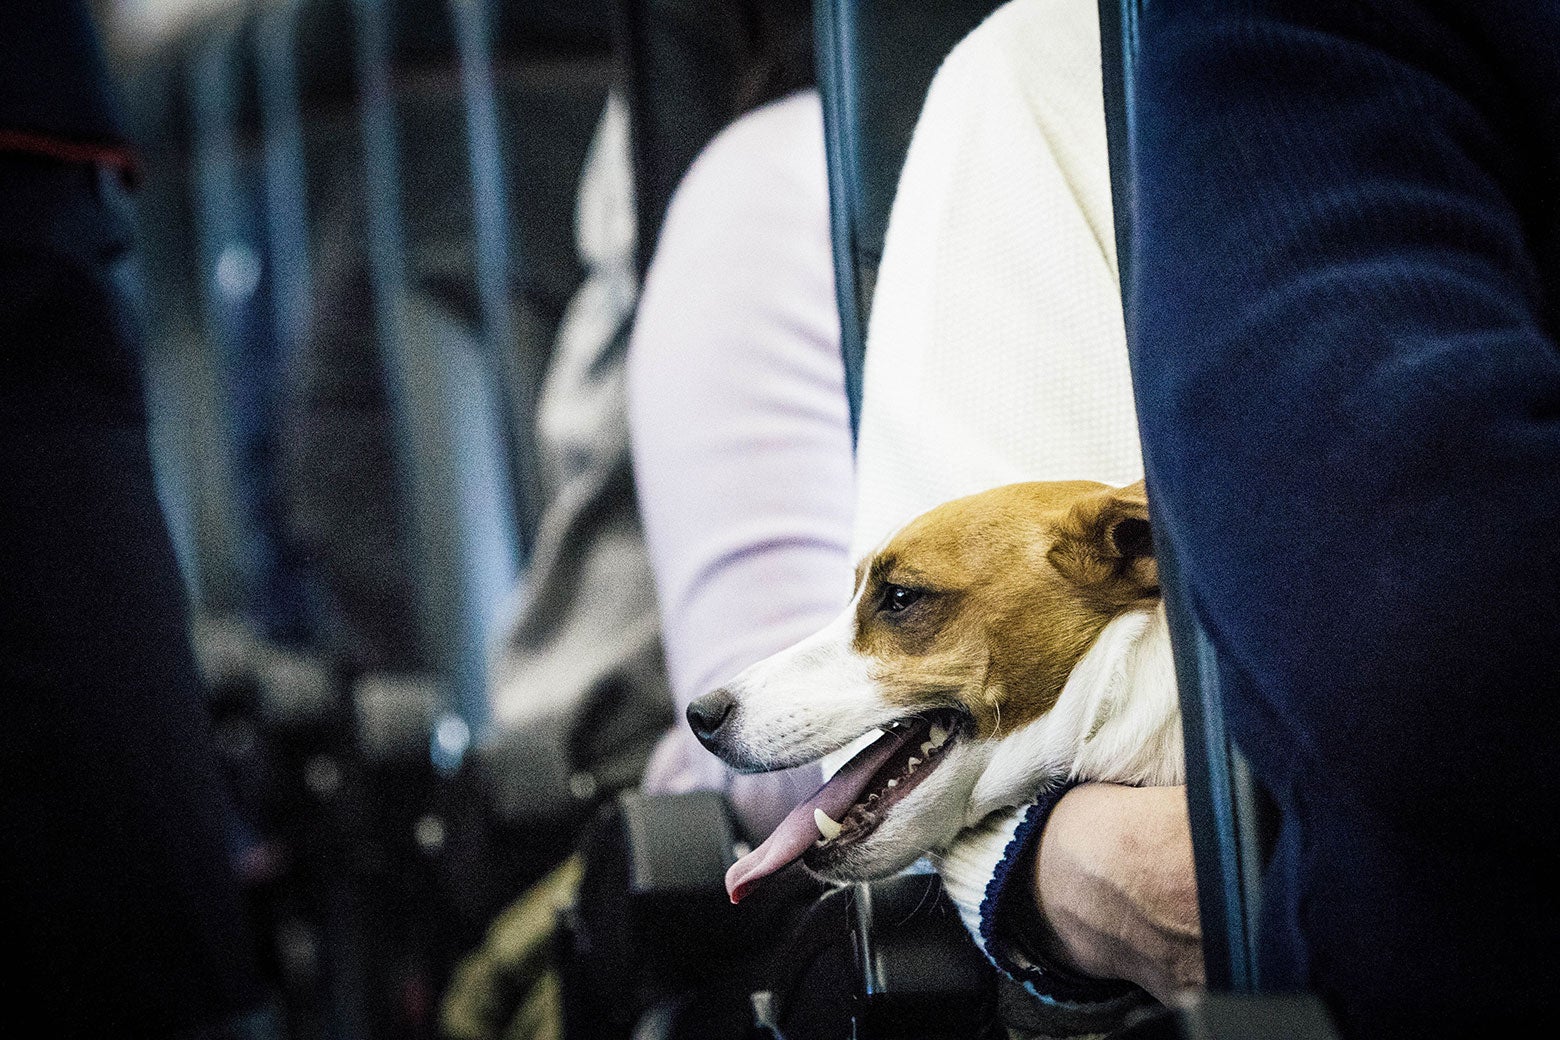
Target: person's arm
{"type": "Point", "coordinates": [1091, 887]}
{"type": "Point", "coordinates": [741, 438]}
{"type": "Point", "coordinates": [1343, 313]}
{"type": "Point", "coordinates": [1348, 385]}
{"type": "Point", "coordinates": [1111, 890]}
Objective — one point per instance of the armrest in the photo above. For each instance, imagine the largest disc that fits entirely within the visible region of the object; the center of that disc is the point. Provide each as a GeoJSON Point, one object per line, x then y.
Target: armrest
{"type": "Point", "coordinates": [881, 961]}
{"type": "Point", "coordinates": [227, 649]}
{"type": "Point", "coordinates": [652, 902]}
{"type": "Point", "coordinates": [1239, 1016]}
{"type": "Point", "coordinates": [300, 696]}
{"type": "Point", "coordinates": [653, 933]}
{"type": "Point", "coordinates": [395, 718]}
{"type": "Point", "coordinates": [918, 972]}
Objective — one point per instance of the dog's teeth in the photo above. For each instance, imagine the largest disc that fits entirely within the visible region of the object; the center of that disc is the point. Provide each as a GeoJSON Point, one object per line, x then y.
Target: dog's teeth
{"type": "Point", "coordinates": [926, 748]}
{"type": "Point", "coordinates": [893, 783]}
{"type": "Point", "coordinates": [826, 826]}
{"type": "Point", "coordinates": [913, 763]}
{"type": "Point", "coordinates": [939, 736]}
{"type": "Point", "coordinates": [871, 799]}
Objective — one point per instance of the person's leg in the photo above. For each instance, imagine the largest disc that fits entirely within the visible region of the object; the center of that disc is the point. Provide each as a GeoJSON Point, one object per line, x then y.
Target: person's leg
{"type": "Point", "coordinates": [116, 887]}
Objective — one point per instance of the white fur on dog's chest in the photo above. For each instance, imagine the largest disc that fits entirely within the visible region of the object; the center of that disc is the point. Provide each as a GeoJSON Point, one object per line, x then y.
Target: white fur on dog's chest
{"type": "Point", "coordinates": [1118, 719]}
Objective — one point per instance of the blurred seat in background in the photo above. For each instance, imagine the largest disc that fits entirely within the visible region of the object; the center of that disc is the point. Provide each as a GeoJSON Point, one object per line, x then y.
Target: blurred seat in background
{"type": "Point", "coordinates": [549, 67]}
{"type": "Point", "coordinates": [383, 212]}
{"type": "Point", "coordinates": [462, 277]}
{"type": "Point", "coordinates": [177, 356]}
{"type": "Point", "coordinates": [193, 360]}
{"type": "Point", "coordinates": [689, 69]}
{"type": "Point", "coordinates": [338, 454]}
{"type": "Point", "coordinates": [579, 687]}
{"type": "Point", "coordinates": [257, 584]}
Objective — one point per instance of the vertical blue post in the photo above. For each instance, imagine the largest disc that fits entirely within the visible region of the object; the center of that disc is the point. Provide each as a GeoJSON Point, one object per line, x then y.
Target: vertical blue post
{"type": "Point", "coordinates": [452, 451]}
{"type": "Point", "coordinates": [1227, 811]}
{"type": "Point", "coordinates": [516, 383]}
{"type": "Point", "coordinates": [230, 274]}
{"type": "Point", "coordinates": [286, 188]}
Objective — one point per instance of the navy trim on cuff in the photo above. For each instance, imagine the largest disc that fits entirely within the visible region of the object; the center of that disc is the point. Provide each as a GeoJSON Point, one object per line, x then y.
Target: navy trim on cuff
{"type": "Point", "coordinates": [1043, 978]}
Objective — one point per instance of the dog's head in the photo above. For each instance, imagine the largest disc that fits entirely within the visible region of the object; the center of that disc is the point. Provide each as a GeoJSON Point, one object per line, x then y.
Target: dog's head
{"type": "Point", "coordinates": [963, 630]}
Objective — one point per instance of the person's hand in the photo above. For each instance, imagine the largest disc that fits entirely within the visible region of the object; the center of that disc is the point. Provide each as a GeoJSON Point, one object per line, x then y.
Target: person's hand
{"type": "Point", "coordinates": [1116, 890]}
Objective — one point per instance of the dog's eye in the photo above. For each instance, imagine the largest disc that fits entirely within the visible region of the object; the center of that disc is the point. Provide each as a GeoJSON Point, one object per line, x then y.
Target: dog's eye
{"type": "Point", "coordinates": [898, 597]}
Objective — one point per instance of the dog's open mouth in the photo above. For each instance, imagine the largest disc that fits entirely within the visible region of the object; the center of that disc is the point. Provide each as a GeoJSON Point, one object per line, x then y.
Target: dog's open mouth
{"type": "Point", "coordinates": [854, 801]}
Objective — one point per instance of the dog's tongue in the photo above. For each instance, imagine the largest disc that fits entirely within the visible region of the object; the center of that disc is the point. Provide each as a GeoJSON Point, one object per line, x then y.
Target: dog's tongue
{"type": "Point", "coordinates": [798, 831]}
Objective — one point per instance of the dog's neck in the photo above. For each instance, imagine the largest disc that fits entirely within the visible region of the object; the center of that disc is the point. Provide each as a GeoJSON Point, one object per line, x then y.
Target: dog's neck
{"type": "Point", "coordinates": [1118, 719]}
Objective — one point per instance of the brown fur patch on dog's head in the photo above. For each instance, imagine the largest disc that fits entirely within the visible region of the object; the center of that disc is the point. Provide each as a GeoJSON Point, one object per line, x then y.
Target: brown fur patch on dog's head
{"type": "Point", "coordinates": [1007, 590]}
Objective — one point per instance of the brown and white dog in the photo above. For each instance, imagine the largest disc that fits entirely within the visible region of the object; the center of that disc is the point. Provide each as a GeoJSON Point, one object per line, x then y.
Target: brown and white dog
{"type": "Point", "coordinates": [1002, 642]}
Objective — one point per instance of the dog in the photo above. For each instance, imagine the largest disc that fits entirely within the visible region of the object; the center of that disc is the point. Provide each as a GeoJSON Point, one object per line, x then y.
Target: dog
{"type": "Point", "coordinates": [1001, 643]}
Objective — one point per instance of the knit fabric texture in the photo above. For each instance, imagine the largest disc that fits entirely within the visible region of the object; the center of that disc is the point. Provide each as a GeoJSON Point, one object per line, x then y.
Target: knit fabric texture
{"type": "Point", "coordinates": [995, 350]}
{"type": "Point", "coordinates": [1346, 298]}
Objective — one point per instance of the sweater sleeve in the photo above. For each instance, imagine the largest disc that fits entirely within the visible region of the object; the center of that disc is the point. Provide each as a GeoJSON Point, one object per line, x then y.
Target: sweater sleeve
{"type": "Point", "coordinates": [1343, 324]}
{"type": "Point", "coordinates": [982, 873]}
{"type": "Point", "coordinates": [741, 437]}
{"type": "Point", "coordinates": [1349, 389]}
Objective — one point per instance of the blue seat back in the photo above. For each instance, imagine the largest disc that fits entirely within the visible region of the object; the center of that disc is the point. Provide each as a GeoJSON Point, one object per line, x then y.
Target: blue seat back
{"type": "Point", "coordinates": [236, 281]}
{"type": "Point", "coordinates": [158, 120]}
{"type": "Point", "coordinates": [1232, 821]}
{"type": "Point", "coordinates": [460, 368]}
{"type": "Point", "coordinates": [683, 64]}
{"type": "Point", "coordinates": [876, 60]}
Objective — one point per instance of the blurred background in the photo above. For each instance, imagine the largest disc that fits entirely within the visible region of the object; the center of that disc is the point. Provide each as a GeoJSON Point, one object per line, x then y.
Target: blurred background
{"type": "Point", "coordinates": [385, 261]}
{"type": "Point", "coordinates": [366, 229]}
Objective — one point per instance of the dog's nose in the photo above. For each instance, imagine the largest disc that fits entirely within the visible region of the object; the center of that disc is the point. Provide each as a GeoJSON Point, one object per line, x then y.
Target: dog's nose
{"type": "Point", "coordinates": [709, 713]}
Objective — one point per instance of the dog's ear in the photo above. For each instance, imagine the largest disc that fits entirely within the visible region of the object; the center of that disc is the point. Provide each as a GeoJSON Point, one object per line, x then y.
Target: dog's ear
{"type": "Point", "coordinates": [1103, 544]}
